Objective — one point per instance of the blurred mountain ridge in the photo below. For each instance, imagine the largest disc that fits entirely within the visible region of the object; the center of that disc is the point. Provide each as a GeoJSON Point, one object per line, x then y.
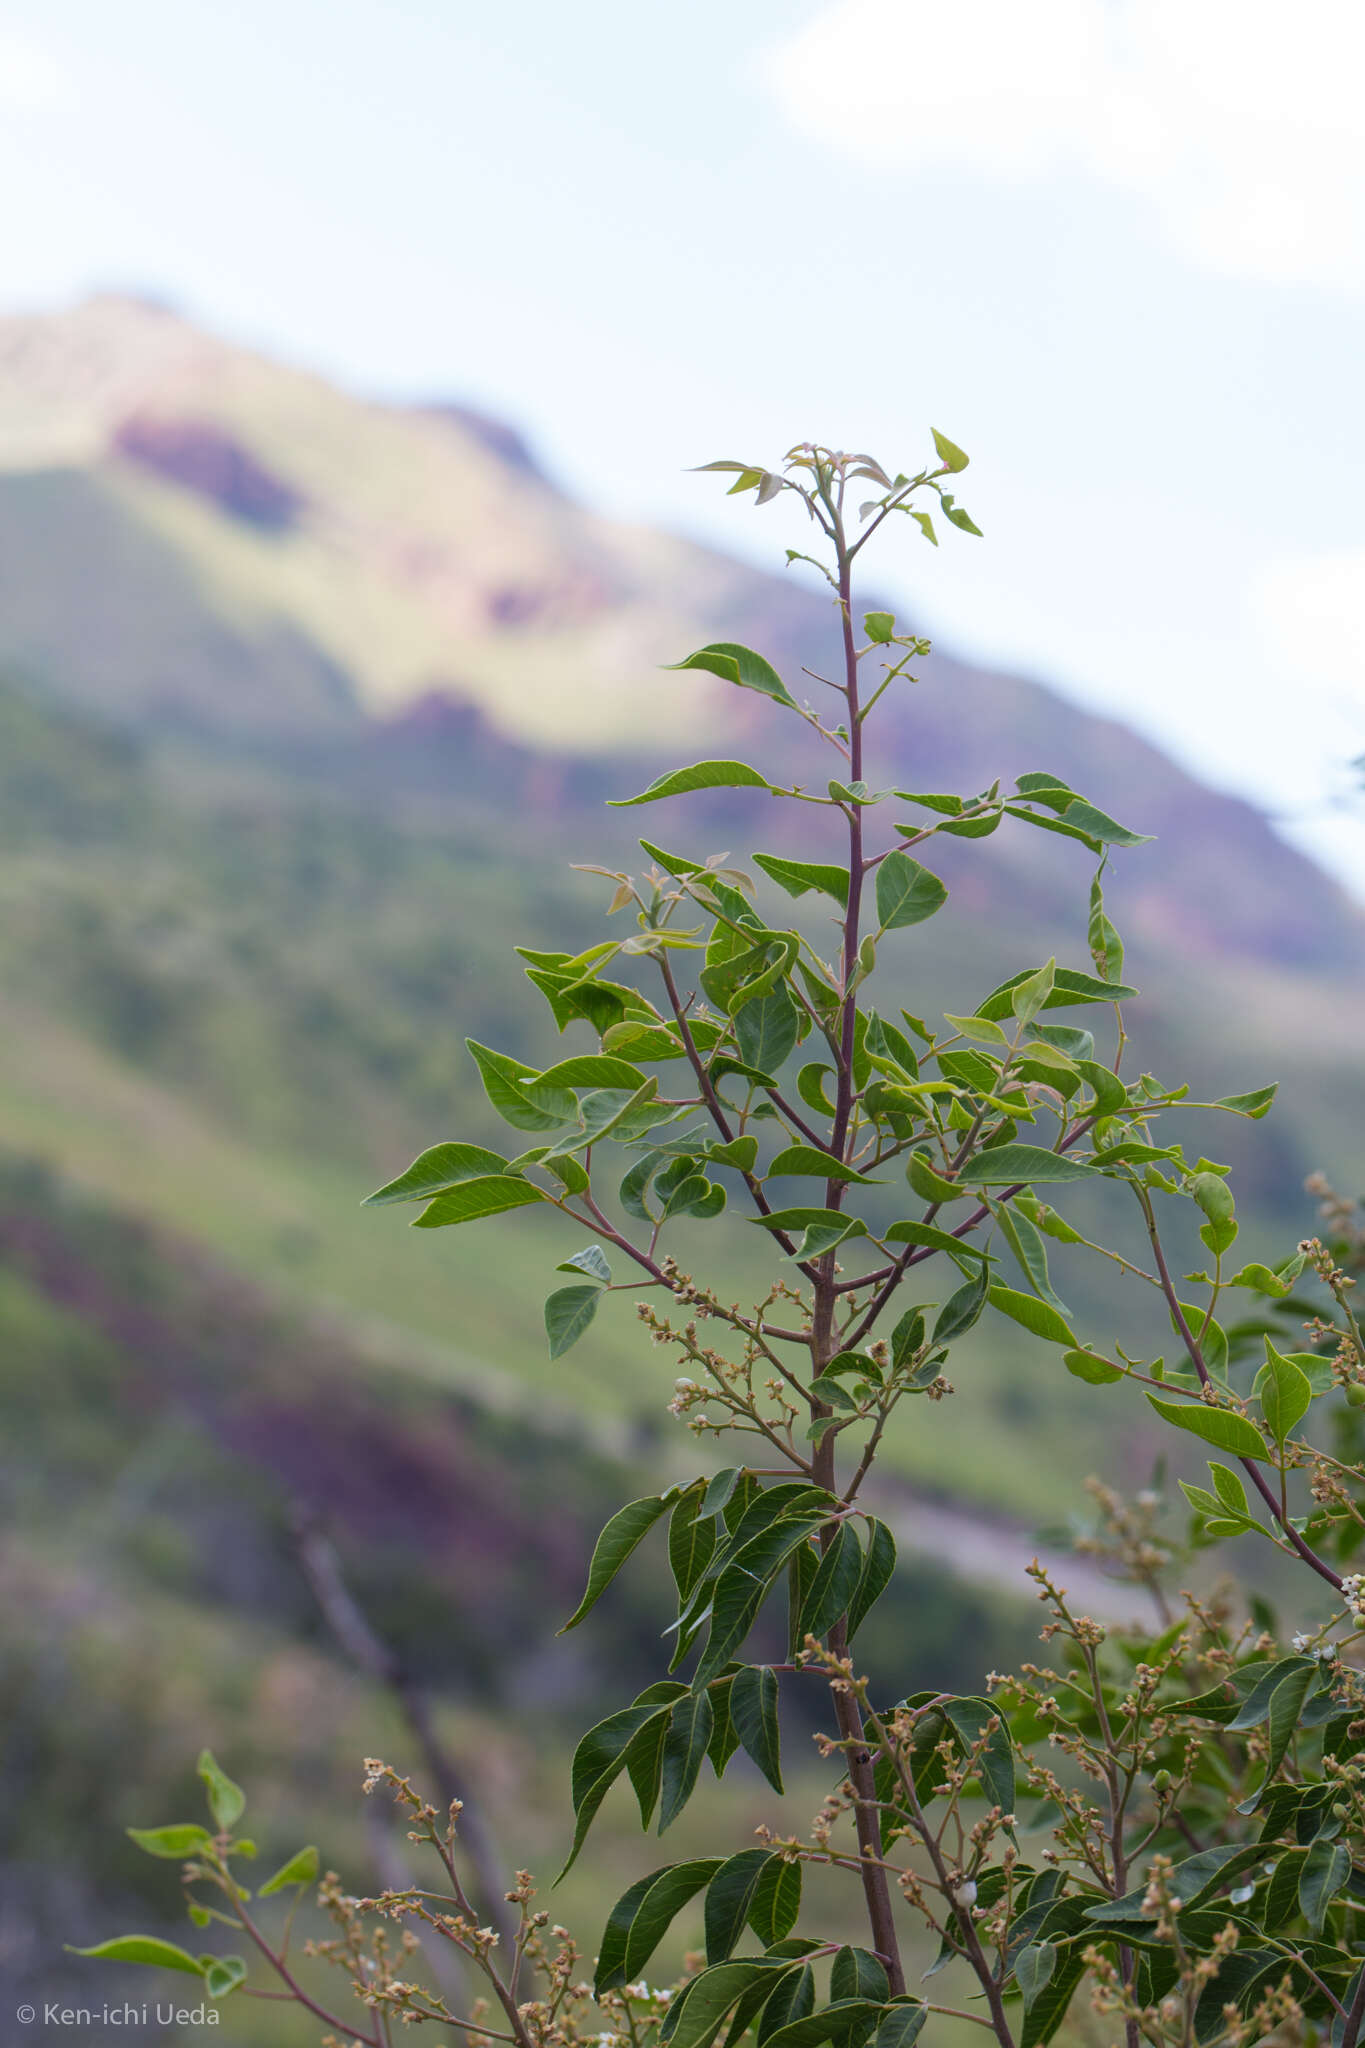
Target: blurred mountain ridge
{"type": "Point", "coordinates": [195, 539]}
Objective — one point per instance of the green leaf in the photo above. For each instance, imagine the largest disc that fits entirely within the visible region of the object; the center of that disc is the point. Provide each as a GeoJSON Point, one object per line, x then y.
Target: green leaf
{"type": "Point", "coordinates": [514, 1091]}
{"type": "Point", "coordinates": [901, 2024]}
{"type": "Point", "coordinates": [1028, 996]}
{"type": "Point", "coordinates": [223, 1974]}
{"type": "Point", "coordinates": [879, 627]}
{"type": "Point", "coordinates": [592, 1259]}
{"type": "Point", "coordinates": [906, 892]}
{"type": "Point", "coordinates": [1025, 1240]}
{"type": "Point", "coordinates": [729, 1899]}
{"type": "Point", "coordinates": [845, 2019]}
{"type": "Point", "coordinates": [1096, 1372]}
{"type": "Point", "coordinates": [766, 1030]}
{"type": "Point", "coordinates": [435, 1170]}
{"type": "Point", "coordinates": [982, 1029]}
{"type": "Point", "coordinates": [472, 1200]}
{"type": "Point", "coordinates": [1254, 1105]}
{"type": "Point", "coordinates": [1069, 988]}
{"type": "Point", "coordinates": [1035, 1315]}
{"type": "Point", "coordinates": [822, 1228]}
{"type": "Point", "coordinates": [691, 1541]}
{"type": "Point", "coordinates": [1222, 1427]}
{"type": "Point", "coordinates": [300, 1869]}
{"type": "Point", "coordinates": [689, 1732]}
{"type": "Point", "coordinates": [1033, 1970]}
{"type": "Point", "coordinates": [174, 1843]}
{"type": "Point", "coordinates": [143, 1948]}
{"type": "Point", "coordinates": [1099, 825]}
{"type": "Point", "coordinates": [568, 1311]}
{"type": "Point", "coordinates": [739, 665]}
{"type": "Point", "coordinates": [949, 454]}
{"type": "Point", "coordinates": [1002, 1165]}
{"type": "Point", "coordinates": [702, 775]}
{"type": "Point", "coordinates": [776, 1903]}
{"type": "Point", "coordinates": [799, 876]}
{"type": "Point", "coordinates": [1326, 1870]}
{"type": "Point", "coordinates": [834, 1583]}
{"type": "Point", "coordinates": [1283, 1391]}
{"type": "Point", "coordinates": [857, 1973]}
{"type": "Point", "coordinates": [627, 1527]}
{"type": "Point", "coordinates": [227, 1802]}
{"type": "Point", "coordinates": [962, 1309]}
{"type": "Point", "coordinates": [591, 1070]}
{"type": "Point", "coordinates": [969, 1719]}
{"type": "Point", "coordinates": [600, 1759]}
{"type": "Point", "coordinates": [805, 1159]}
{"type": "Point", "coordinates": [702, 2007]}
{"type": "Point", "coordinates": [878, 1566]}
{"type": "Point", "coordinates": [642, 1916]}
{"type": "Point", "coordinates": [1286, 1704]}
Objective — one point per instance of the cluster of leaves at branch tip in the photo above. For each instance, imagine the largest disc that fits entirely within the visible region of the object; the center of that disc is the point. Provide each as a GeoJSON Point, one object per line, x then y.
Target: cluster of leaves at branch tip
{"type": "Point", "coordinates": [1169, 1821]}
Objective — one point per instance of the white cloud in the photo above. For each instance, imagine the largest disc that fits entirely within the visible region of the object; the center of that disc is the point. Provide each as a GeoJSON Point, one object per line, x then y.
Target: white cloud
{"type": "Point", "coordinates": [1239, 121]}
{"type": "Point", "coordinates": [31, 79]}
{"type": "Point", "coordinates": [1312, 610]}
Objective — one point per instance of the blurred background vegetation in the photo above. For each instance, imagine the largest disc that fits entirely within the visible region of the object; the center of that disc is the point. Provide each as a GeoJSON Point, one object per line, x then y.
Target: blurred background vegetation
{"type": "Point", "coordinates": [306, 708]}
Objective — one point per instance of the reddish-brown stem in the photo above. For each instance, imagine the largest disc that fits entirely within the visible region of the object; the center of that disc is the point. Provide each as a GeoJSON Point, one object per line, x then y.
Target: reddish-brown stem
{"type": "Point", "coordinates": [1196, 1354]}
{"type": "Point", "coordinates": [848, 1713]}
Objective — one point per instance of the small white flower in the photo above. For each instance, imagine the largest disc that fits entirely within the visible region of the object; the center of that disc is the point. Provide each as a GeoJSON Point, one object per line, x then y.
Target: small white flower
{"type": "Point", "coordinates": [965, 1894]}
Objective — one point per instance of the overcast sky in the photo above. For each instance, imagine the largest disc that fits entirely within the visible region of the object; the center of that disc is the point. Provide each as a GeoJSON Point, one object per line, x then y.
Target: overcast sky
{"type": "Point", "coordinates": [1115, 248]}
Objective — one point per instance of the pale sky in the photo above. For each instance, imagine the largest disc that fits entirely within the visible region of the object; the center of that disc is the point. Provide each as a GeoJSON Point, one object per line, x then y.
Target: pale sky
{"type": "Point", "coordinates": [1115, 248]}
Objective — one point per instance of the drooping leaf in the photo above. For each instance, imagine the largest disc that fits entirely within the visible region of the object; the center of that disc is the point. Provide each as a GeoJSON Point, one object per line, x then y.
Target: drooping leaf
{"type": "Point", "coordinates": [776, 1903]}
{"type": "Point", "coordinates": [685, 1746]}
{"type": "Point", "coordinates": [1222, 1427]}
{"type": "Point", "coordinates": [591, 1070]}
{"type": "Point", "coordinates": [1036, 1316]}
{"type": "Point", "coordinates": [906, 892]}
{"type": "Point", "coordinates": [600, 1759]}
{"type": "Point", "coordinates": [728, 1900]}
{"type": "Point", "coordinates": [471, 1200]}
{"type": "Point", "coordinates": [1033, 1968]}
{"type": "Point", "coordinates": [568, 1312]}
{"type": "Point", "coordinates": [799, 876]}
{"type": "Point", "coordinates": [436, 1169]}
{"type": "Point", "coordinates": [962, 1309]}
{"type": "Point", "coordinates": [806, 1160]}
{"type": "Point", "coordinates": [834, 1583]}
{"type": "Point", "coordinates": [1003, 1165]}
{"type": "Point", "coordinates": [627, 1527]}
{"type": "Point", "coordinates": [1025, 1240]}
{"type": "Point", "coordinates": [739, 665]}
{"type": "Point", "coordinates": [970, 1719]}
{"type": "Point", "coordinates": [143, 1948]}
{"type": "Point", "coordinates": [879, 1564]}
{"type": "Point", "coordinates": [1095, 1371]}
{"type": "Point", "coordinates": [698, 2014]}
{"type": "Point", "coordinates": [701, 775]}
{"type": "Point", "coordinates": [1326, 1870]}
{"type": "Point", "coordinates": [174, 1843]}
{"type": "Point", "coordinates": [1068, 988]}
